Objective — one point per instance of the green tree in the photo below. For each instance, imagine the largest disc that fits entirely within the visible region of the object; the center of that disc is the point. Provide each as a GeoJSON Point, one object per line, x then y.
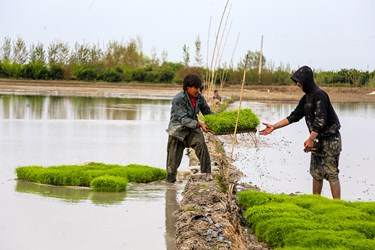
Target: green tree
{"type": "Point", "coordinates": [58, 53]}
{"type": "Point", "coordinates": [6, 49]}
{"type": "Point", "coordinates": [186, 55]}
{"type": "Point", "coordinates": [19, 51]}
{"type": "Point", "coordinates": [37, 53]}
{"type": "Point", "coordinates": [198, 56]}
{"type": "Point", "coordinates": [253, 58]}
{"type": "Point", "coordinates": [123, 55]}
{"type": "Point", "coordinates": [80, 54]}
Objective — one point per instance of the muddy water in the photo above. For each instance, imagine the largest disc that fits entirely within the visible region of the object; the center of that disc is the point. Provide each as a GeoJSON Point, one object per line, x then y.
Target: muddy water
{"type": "Point", "coordinates": [277, 164]}
{"type": "Point", "coordinates": [52, 131]}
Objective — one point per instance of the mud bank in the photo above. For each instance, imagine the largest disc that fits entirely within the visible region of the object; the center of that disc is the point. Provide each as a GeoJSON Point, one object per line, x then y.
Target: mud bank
{"type": "Point", "coordinates": [209, 217]}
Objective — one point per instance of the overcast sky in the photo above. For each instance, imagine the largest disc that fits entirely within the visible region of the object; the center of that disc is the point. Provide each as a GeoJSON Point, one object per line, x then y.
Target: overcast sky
{"type": "Point", "coordinates": [324, 34]}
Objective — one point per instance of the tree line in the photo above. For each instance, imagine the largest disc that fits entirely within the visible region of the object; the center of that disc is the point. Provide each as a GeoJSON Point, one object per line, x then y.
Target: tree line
{"type": "Point", "coordinates": [126, 62]}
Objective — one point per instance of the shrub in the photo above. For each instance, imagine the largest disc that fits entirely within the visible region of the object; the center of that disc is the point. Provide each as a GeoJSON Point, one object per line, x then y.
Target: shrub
{"type": "Point", "coordinates": [139, 75]}
{"type": "Point", "coordinates": [165, 75]}
{"type": "Point", "coordinates": [86, 74]}
{"type": "Point", "coordinates": [56, 72]}
{"type": "Point", "coordinates": [112, 75]}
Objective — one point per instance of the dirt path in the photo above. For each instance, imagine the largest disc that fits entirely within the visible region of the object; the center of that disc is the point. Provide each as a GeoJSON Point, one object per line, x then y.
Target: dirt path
{"type": "Point", "coordinates": [102, 89]}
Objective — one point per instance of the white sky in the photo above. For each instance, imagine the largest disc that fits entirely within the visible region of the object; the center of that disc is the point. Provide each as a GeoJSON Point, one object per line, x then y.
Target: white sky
{"type": "Point", "coordinates": [324, 34]}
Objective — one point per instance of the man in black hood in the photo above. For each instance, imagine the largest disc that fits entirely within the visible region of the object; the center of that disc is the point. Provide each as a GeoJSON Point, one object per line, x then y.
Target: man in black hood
{"type": "Point", "coordinates": [324, 141]}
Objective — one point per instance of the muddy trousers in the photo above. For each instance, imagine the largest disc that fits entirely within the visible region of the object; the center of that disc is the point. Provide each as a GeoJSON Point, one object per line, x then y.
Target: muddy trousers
{"type": "Point", "coordinates": [175, 150]}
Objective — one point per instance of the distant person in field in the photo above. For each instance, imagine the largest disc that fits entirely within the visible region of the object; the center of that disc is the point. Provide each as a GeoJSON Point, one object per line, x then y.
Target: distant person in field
{"type": "Point", "coordinates": [216, 95]}
{"type": "Point", "coordinates": [324, 141]}
{"type": "Point", "coordinates": [216, 98]}
{"type": "Point", "coordinates": [185, 130]}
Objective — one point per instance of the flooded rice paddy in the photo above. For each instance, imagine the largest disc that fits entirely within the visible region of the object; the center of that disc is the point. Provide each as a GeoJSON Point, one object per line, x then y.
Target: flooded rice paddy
{"type": "Point", "coordinates": [277, 164]}
{"type": "Point", "coordinates": [61, 130]}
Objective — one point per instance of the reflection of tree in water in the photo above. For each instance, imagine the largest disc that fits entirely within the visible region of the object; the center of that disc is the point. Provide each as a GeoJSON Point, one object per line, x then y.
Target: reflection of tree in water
{"type": "Point", "coordinates": [171, 205]}
{"type": "Point", "coordinates": [70, 194]}
{"type": "Point", "coordinates": [83, 108]}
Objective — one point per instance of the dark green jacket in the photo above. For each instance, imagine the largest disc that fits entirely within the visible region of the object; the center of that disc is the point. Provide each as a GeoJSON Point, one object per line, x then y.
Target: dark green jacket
{"type": "Point", "coordinates": [183, 116]}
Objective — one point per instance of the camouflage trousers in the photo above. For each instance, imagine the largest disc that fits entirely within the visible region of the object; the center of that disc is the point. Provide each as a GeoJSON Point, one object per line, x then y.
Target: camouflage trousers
{"type": "Point", "coordinates": [175, 150]}
{"type": "Point", "coordinates": [325, 159]}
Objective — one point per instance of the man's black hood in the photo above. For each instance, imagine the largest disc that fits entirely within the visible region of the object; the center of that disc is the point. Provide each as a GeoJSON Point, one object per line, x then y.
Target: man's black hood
{"type": "Point", "coordinates": [305, 76]}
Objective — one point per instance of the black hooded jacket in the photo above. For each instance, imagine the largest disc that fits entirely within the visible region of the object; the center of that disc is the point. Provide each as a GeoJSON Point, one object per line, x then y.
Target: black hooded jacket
{"type": "Point", "coordinates": [315, 106]}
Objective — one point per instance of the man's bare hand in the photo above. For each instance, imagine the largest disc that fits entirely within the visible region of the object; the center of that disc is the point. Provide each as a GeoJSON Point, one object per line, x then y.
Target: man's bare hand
{"type": "Point", "coordinates": [269, 128]}
{"type": "Point", "coordinates": [308, 145]}
{"type": "Point", "coordinates": [203, 126]}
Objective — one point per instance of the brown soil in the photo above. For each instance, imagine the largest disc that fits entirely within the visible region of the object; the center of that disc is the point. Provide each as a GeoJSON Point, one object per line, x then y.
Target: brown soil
{"type": "Point", "coordinates": [102, 89]}
{"type": "Point", "coordinates": [209, 217]}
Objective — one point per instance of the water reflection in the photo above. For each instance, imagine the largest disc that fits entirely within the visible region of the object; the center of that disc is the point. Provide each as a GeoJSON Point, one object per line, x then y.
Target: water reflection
{"type": "Point", "coordinates": [47, 131]}
{"type": "Point", "coordinates": [79, 108]}
{"type": "Point", "coordinates": [60, 130]}
{"type": "Point", "coordinates": [71, 194]}
{"type": "Point", "coordinates": [171, 206]}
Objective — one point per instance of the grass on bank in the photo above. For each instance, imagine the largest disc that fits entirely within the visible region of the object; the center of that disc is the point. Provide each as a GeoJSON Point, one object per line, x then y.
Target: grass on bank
{"type": "Point", "coordinates": [309, 221]}
{"type": "Point", "coordinates": [225, 122]}
{"type": "Point", "coordinates": [99, 176]}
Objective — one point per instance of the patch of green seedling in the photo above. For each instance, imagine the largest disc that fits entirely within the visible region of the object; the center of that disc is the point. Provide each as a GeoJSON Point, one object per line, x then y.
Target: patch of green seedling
{"type": "Point", "coordinates": [225, 122]}
{"type": "Point", "coordinates": [99, 176]}
{"type": "Point", "coordinates": [309, 221]}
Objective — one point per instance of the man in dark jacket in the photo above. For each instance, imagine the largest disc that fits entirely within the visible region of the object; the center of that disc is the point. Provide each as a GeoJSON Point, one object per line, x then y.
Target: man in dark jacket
{"type": "Point", "coordinates": [184, 128]}
{"type": "Point", "coordinates": [324, 141]}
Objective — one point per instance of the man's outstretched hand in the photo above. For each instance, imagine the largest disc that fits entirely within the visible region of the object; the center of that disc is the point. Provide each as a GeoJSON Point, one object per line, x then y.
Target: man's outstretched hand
{"type": "Point", "coordinates": [269, 128]}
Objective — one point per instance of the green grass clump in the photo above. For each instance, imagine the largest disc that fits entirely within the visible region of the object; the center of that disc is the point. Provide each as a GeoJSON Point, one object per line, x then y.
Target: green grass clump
{"type": "Point", "coordinates": [309, 221]}
{"type": "Point", "coordinates": [225, 122]}
{"type": "Point", "coordinates": [83, 175]}
{"type": "Point", "coordinates": [109, 183]}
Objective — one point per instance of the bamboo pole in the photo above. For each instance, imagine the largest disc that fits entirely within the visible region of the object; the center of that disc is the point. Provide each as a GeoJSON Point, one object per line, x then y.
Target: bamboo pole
{"type": "Point", "coordinates": [220, 50]}
{"type": "Point", "coordinates": [215, 48]}
{"type": "Point", "coordinates": [238, 117]}
{"type": "Point", "coordinates": [225, 73]}
{"type": "Point", "coordinates": [208, 49]}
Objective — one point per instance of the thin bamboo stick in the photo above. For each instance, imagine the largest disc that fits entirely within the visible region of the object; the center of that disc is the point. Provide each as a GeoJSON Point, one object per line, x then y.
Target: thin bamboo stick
{"type": "Point", "coordinates": [215, 48]}
{"type": "Point", "coordinates": [238, 117]}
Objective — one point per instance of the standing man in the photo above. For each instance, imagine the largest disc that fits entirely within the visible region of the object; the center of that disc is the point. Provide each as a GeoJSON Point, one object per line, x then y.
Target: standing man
{"type": "Point", "coordinates": [185, 130]}
{"type": "Point", "coordinates": [324, 141]}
